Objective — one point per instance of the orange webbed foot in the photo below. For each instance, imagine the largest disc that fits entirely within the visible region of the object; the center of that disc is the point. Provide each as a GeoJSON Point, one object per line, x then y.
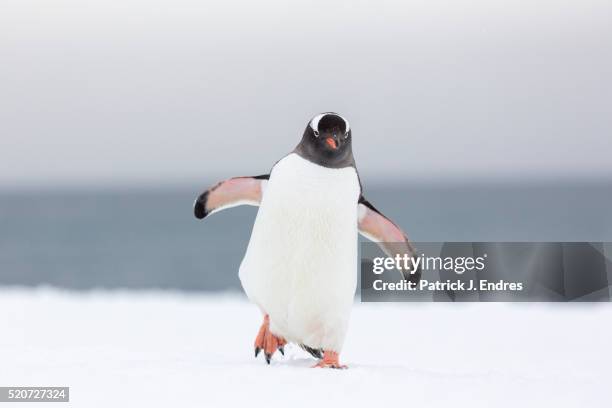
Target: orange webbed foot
{"type": "Point", "coordinates": [267, 341]}
{"type": "Point", "coordinates": [330, 360]}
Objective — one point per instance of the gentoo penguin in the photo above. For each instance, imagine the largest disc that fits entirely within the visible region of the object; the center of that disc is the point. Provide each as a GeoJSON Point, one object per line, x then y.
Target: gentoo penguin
{"type": "Point", "coordinates": [300, 266]}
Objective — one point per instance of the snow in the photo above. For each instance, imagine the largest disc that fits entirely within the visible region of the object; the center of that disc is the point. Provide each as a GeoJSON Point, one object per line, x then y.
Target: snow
{"type": "Point", "coordinates": [170, 349]}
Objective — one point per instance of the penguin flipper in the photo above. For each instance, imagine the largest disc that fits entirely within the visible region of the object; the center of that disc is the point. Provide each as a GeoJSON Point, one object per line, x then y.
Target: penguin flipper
{"type": "Point", "coordinates": [390, 238]}
{"type": "Point", "coordinates": [230, 193]}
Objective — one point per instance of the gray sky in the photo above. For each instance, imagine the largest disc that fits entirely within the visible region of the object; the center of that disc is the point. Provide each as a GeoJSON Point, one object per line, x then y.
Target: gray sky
{"type": "Point", "coordinates": [133, 91]}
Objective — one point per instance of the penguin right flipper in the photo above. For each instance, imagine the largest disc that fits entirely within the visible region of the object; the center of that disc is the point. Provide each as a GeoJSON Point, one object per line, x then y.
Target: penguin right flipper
{"type": "Point", "coordinates": [230, 193]}
{"type": "Point", "coordinates": [373, 225]}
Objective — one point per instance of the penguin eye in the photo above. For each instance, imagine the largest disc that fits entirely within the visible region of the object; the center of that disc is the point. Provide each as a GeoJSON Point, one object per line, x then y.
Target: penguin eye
{"type": "Point", "coordinates": [346, 135]}
{"type": "Point", "coordinates": [316, 133]}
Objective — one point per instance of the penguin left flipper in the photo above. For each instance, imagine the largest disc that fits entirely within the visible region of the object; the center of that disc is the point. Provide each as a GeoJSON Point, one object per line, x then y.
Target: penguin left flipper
{"type": "Point", "coordinates": [230, 193]}
{"type": "Point", "coordinates": [390, 238]}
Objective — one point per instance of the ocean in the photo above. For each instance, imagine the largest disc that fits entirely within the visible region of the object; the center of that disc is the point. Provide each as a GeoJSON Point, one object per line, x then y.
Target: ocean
{"type": "Point", "coordinates": [149, 239]}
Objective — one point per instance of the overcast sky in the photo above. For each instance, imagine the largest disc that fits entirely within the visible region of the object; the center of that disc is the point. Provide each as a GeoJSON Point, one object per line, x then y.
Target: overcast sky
{"type": "Point", "coordinates": [154, 92]}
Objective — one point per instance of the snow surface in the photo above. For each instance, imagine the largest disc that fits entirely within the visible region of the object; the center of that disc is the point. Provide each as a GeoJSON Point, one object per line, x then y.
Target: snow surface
{"type": "Point", "coordinates": [168, 349]}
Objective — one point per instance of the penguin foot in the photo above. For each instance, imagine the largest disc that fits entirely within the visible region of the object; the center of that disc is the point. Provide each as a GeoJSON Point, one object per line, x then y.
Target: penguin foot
{"type": "Point", "coordinates": [268, 342]}
{"type": "Point", "coordinates": [330, 360]}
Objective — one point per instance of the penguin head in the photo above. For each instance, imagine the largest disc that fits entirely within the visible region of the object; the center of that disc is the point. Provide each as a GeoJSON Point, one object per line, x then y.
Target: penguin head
{"type": "Point", "coordinates": [327, 141]}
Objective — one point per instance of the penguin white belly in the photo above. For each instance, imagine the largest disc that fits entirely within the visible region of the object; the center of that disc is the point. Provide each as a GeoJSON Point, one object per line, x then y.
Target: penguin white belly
{"type": "Point", "coordinates": [300, 266]}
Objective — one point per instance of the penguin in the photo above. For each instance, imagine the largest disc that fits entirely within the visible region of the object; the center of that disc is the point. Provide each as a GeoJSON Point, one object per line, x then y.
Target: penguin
{"type": "Point", "coordinates": [300, 266]}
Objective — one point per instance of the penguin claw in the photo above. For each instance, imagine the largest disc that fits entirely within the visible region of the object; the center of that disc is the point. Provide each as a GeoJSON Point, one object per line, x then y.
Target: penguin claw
{"type": "Point", "coordinates": [268, 342]}
{"type": "Point", "coordinates": [330, 360]}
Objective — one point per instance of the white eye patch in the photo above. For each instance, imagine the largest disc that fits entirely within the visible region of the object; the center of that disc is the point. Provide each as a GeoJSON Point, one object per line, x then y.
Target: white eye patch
{"type": "Point", "coordinates": [314, 122]}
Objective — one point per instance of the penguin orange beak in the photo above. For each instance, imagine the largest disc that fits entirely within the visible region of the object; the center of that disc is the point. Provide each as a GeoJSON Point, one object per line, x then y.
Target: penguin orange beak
{"type": "Point", "coordinates": [331, 143]}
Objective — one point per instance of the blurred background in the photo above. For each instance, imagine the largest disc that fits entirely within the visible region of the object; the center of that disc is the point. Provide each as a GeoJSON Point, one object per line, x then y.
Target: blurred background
{"type": "Point", "coordinates": [472, 121]}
